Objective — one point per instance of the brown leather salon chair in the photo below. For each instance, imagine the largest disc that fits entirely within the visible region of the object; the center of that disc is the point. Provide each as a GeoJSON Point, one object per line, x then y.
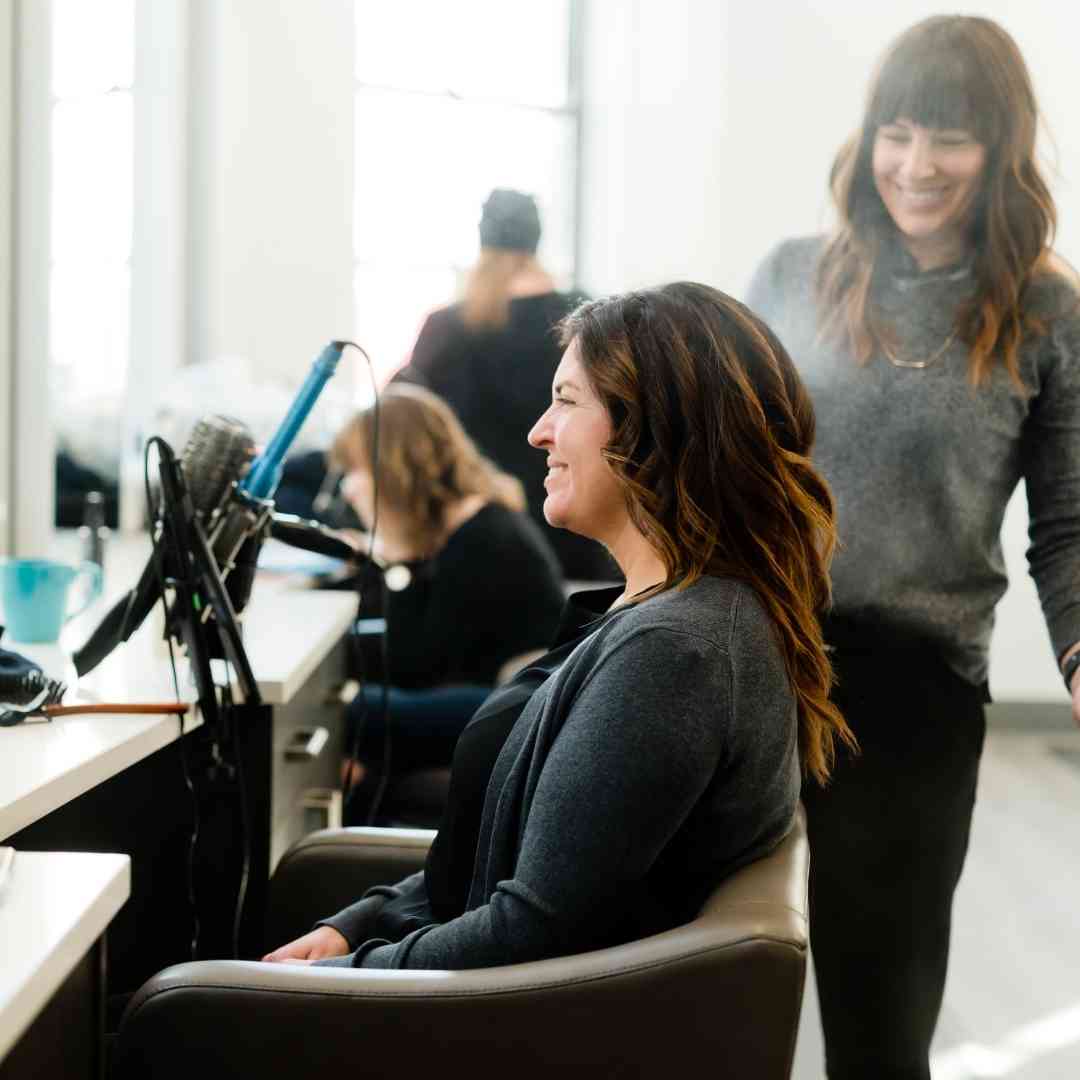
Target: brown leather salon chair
{"type": "Point", "coordinates": [723, 991]}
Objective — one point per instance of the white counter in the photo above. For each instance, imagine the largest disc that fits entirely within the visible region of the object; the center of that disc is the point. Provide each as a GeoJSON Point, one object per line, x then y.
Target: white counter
{"type": "Point", "coordinates": [45, 765]}
{"type": "Point", "coordinates": [287, 631]}
{"type": "Point", "coordinates": [53, 907]}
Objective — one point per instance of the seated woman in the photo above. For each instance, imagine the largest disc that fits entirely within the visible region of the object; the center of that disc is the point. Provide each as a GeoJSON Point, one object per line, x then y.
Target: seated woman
{"type": "Point", "coordinates": [473, 585]}
{"type": "Point", "coordinates": [600, 794]}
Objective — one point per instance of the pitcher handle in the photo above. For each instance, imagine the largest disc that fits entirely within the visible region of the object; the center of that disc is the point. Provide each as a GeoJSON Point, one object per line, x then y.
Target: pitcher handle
{"type": "Point", "coordinates": [93, 589]}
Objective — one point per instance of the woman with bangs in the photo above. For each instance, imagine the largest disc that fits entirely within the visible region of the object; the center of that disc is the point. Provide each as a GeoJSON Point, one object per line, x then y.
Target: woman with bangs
{"type": "Point", "coordinates": [940, 339]}
{"type": "Point", "coordinates": [598, 796]}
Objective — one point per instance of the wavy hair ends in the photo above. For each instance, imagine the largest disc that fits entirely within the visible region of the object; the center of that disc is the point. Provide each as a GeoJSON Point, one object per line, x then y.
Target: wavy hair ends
{"type": "Point", "coordinates": [712, 432]}
{"type": "Point", "coordinates": [966, 73]}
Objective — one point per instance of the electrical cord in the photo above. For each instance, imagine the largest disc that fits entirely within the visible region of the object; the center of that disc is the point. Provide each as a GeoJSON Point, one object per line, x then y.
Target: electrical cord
{"type": "Point", "coordinates": [384, 707]}
{"type": "Point", "coordinates": [245, 823]}
{"type": "Point", "coordinates": [384, 654]}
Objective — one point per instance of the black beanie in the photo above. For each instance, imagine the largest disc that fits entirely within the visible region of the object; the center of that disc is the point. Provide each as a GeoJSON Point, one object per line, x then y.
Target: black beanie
{"type": "Point", "coordinates": [510, 220]}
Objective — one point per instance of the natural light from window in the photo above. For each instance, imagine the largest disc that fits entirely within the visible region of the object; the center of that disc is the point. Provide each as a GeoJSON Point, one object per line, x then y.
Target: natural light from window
{"type": "Point", "coordinates": [92, 72]}
{"type": "Point", "coordinates": [451, 101]}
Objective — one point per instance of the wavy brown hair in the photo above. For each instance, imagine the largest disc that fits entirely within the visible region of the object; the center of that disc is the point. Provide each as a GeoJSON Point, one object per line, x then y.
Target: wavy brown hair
{"type": "Point", "coordinates": [712, 431]}
{"type": "Point", "coordinates": [964, 73]}
{"type": "Point", "coordinates": [426, 461]}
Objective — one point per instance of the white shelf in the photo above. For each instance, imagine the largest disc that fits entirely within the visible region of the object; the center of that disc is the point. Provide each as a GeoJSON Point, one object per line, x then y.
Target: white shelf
{"type": "Point", "coordinates": [53, 907]}
{"type": "Point", "coordinates": [45, 765]}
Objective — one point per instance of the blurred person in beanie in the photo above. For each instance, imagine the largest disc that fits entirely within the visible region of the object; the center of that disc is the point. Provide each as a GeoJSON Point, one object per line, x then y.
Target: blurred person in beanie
{"type": "Point", "coordinates": [491, 357]}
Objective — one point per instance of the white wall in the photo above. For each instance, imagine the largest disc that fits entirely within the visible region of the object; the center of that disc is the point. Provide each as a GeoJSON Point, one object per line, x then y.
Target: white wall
{"type": "Point", "coordinates": [159, 335]}
{"type": "Point", "coordinates": [709, 129]}
{"type": "Point", "coordinates": [710, 126]}
{"type": "Point", "coordinates": [7, 95]}
{"type": "Point", "coordinates": [33, 427]}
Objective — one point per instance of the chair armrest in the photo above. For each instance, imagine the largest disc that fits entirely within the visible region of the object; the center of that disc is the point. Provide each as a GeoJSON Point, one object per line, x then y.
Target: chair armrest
{"type": "Point", "coordinates": [637, 1009]}
{"type": "Point", "coordinates": [330, 869]}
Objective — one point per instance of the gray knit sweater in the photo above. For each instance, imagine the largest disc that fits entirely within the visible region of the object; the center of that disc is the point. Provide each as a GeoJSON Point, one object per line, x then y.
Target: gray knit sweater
{"type": "Point", "coordinates": [661, 755]}
{"type": "Point", "coordinates": [922, 465]}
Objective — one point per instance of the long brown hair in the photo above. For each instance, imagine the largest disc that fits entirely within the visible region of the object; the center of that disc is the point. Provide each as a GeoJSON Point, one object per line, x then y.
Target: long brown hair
{"type": "Point", "coordinates": [712, 432]}
{"type": "Point", "coordinates": [426, 461]}
{"type": "Point", "coordinates": [486, 303]}
{"type": "Point", "coordinates": [965, 73]}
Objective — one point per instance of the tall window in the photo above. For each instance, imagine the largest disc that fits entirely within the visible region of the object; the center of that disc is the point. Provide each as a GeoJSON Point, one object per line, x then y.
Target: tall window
{"type": "Point", "coordinates": [93, 70]}
{"type": "Point", "coordinates": [91, 165]}
{"type": "Point", "coordinates": [451, 101]}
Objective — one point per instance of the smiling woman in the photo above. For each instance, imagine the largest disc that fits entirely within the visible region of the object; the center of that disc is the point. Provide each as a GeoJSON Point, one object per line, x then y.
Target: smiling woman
{"type": "Point", "coordinates": [928, 180]}
{"type": "Point", "coordinates": [657, 746]}
{"type": "Point", "coordinates": [940, 338]}
{"type": "Point", "coordinates": [582, 493]}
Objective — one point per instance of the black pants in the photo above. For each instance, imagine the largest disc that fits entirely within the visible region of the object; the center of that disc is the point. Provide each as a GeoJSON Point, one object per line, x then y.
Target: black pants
{"type": "Point", "coordinates": [888, 837]}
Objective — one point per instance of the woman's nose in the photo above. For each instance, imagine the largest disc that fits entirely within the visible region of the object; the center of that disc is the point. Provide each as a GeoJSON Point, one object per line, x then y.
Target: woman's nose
{"type": "Point", "coordinates": [918, 160]}
{"type": "Point", "coordinates": [540, 435]}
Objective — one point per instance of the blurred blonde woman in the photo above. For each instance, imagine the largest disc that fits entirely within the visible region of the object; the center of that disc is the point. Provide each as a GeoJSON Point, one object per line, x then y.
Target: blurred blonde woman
{"type": "Point", "coordinates": [473, 584]}
{"type": "Point", "coordinates": [491, 358]}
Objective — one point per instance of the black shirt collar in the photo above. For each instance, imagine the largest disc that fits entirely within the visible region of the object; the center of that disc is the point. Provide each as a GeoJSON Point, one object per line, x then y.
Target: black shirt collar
{"type": "Point", "coordinates": [582, 610]}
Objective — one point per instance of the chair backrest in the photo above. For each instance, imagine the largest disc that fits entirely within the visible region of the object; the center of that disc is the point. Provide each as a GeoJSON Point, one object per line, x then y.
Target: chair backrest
{"type": "Point", "coordinates": [725, 988]}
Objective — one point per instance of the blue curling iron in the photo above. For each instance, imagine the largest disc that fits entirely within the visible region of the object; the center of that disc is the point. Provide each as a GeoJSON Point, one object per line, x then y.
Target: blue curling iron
{"type": "Point", "coordinates": [264, 475]}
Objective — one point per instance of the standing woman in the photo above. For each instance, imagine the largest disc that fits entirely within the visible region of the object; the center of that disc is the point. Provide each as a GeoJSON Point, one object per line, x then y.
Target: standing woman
{"type": "Point", "coordinates": [491, 358]}
{"type": "Point", "coordinates": [940, 341]}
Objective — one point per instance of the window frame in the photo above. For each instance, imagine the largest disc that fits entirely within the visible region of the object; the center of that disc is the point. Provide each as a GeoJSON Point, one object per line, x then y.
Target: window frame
{"type": "Point", "coordinates": [156, 262]}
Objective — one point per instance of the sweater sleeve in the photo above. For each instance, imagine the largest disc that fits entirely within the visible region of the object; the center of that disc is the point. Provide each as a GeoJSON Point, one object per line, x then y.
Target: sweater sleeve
{"type": "Point", "coordinates": [1051, 464]}
{"type": "Point", "coordinates": [385, 911]}
{"type": "Point", "coordinates": [621, 776]}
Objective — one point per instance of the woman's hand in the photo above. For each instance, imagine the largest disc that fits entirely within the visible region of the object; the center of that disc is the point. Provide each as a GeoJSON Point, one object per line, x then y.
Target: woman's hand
{"type": "Point", "coordinates": [322, 942]}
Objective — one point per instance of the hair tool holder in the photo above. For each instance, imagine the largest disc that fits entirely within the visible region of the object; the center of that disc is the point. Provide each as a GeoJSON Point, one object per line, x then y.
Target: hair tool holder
{"type": "Point", "coordinates": [202, 617]}
{"type": "Point", "coordinates": [199, 546]}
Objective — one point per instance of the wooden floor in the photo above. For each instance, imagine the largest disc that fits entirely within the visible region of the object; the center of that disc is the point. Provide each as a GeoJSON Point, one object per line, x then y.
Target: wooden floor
{"type": "Point", "coordinates": [1012, 1001]}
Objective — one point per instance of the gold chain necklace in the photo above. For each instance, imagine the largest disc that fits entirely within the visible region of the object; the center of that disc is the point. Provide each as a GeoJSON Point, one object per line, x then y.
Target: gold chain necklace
{"type": "Point", "coordinates": [896, 361]}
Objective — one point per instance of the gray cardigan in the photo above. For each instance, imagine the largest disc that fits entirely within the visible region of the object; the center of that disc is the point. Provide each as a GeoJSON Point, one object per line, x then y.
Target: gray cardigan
{"type": "Point", "coordinates": [922, 464]}
{"type": "Point", "coordinates": [661, 755]}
